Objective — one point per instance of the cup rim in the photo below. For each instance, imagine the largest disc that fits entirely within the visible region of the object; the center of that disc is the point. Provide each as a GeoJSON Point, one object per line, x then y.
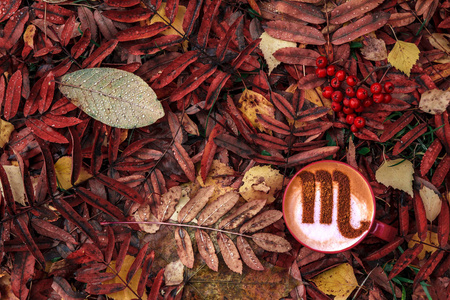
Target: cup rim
{"type": "Point", "coordinates": [372, 221]}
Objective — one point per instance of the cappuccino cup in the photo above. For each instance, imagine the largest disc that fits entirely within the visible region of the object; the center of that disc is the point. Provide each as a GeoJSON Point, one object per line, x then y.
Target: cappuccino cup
{"type": "Point", "coordinates": [329, 206]}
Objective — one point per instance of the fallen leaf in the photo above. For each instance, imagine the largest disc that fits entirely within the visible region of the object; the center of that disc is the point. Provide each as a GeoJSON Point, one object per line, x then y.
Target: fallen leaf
{"type": "Point", "coordinates": [339, 281]}
{"type": "Point", "coordinates": [28, 36]}
{"type": "Point", "coordinates": [403, 56]}
{"type": "Point", "coordinates": [143, 214]}
{"type": "Point", "coordinates": [441, 41]}
{"type": "Point", "coordinates": [428, 243]}
{"type": "Point", "coordinates": [176, 26]}
{"type": "Point", "coordinates": [127, 293]}
{"type": "Point", "coordinates": [434, 101]}
{"type": "Point", "coordinates": [63, 169]}
{"type": "Point", "coordinates": [6, 129]}
{"type": "Point", "coordinates": [220, 176]}
{"type": "Point", "coordinates": [16, 183]}
{"type": "Point", "coordinates": [258, 177]}
{"type": "Point", "coordinates": [397, 173]}
{"type": "Point", "coordinates": [374, 49]}
{"type": "Point", "coordinates": [173, 274]}
{"type": "Point", "coordinates": [315, 96]}
{"type": "Point", "coordinates": [269, 45]}
{"type": "Point", "coordinates": [251, 104]}
{"type": "Point", "coordinates": [431, 201]}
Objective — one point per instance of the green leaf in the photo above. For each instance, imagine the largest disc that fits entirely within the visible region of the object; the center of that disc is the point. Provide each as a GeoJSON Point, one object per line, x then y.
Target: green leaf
{"type": "Point", "coordinates": [114, 97]}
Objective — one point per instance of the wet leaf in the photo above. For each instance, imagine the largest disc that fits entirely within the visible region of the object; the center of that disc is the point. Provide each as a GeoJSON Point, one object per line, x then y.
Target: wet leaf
{"type": "Point", "coordinates": [403, 56]}
{"type": "Point", "coordinates": [295, 32]}
{"type": "Point", "coordinates": [206, 249]}
{"type": "Point", "coordinates": [269, 45]}
{"type": "Point", "coordinates": [114, 97]}
{"type": "Point", "coordinates": [215, 210]}
{"type": "Point", "coordinates": [339, 281]}
{"type": "Point", "coordinates": [430, 244]}
{"type": "Point", "coordinates": [229, 253]}
{"type": "Point", "coordinates": [352, 9]}
{"type": "Point", "coordinates": [184, 247]}
{"type": "Point", "coordinates": [195, 205]}
{"type": "Point", "coordinates": [388, 174]}
{"type": "Point", "coordinates": [271, 242]}
{"type": "Point", "coordinates": [261, 182]}
{"type": "Point", "coordinates": [248, 255]}
{"type": "Point", "coordinates": [242, 214]}
{"type": "Point", "coordinates": [261, 221]}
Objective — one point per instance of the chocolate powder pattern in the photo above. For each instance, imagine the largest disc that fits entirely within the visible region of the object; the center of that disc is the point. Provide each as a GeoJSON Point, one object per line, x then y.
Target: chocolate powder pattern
{"type": "Point", "coordinates": [344, 213]}
{"type": "Point", "coordinates": [308, 195]}
{"type": "Point", "coordinates": [326, 196]}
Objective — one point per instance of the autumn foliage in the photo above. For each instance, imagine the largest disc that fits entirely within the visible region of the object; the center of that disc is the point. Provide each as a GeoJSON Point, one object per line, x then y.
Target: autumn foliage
{"type": "Point", "coordinates": [146, 145]}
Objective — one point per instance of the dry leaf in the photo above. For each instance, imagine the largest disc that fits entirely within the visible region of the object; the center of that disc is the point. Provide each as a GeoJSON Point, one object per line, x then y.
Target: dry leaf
{"type": "Point", "coordinates": [397, 173]}
{"type": "Point", "coordinates": [143, 214]}
{"type": "Point", "coordinates": [63, 169]}
{"type": "Point", "coordinates": [315, 96]}
{"type": "Point", "coordinates": [173, 273]}
{"type": "Point", "coordinates": [269, 45]}
{"type": "Point", "coordinates": [176, 26]}
{"type": "Point", "coordinates": [374, 49]}
{"type": "Point", "coordinates": [28, 36]}
{"type": "Point", "coordinates": [441, 41]}
{"type": "Point", "coordinates": [5, 132]}
{"type": "Point", "coordinates": [220, 176]}
{"type": "Point", "coordinates": [428, 243]}
{"type": "Point", "coordinates": [434, 101]}
{"type": "Point", "coordinates": [261, 176]}
{"type": "Point", "coordinates": [127, 293]}
{"type": "Point", "coordinates": [403, 56]}
{"type": "Point", "coordinates": [251, 104]}
{"type": "Point", "coordinates": [16, 183]}
{"type": "Point", "coordinates": [339, 281]}
{"type": "Point", "coordinates": [431, 201]}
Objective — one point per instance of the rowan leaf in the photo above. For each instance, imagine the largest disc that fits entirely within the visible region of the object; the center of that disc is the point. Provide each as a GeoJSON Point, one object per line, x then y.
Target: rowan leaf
{"type": "Point", "coordinates": [339, 281]}
{"type": "Point", "coordinates": [114, 97]}
{"type": "Point", "coordinates": [430, 244]}
{"type": "Point", "coordinates": [403, 56]}
{"type": "Point", "coordinates": [269, 45]}
{"type": "Point", "coordinates": [397, 173]}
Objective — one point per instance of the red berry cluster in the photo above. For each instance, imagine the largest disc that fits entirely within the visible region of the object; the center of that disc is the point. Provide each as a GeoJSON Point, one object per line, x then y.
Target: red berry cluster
{"type": "Point", "coordinates": [348, 99]}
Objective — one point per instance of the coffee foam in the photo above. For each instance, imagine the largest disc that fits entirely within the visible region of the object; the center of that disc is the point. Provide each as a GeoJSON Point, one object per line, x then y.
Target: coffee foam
{"type": "Point", "coordinates": [327, 237]}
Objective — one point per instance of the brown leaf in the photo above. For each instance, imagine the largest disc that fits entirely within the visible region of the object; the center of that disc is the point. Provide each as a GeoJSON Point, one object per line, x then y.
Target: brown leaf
{"type": "Point", "coordinates": [261, 221]}
{"type": "Point", "coordinates": [207, 250]}
{"type": "Point", "coordinates": [184, 247]}
{"type": "Point", "coordinates": [242, 214]}
{"type": "Point", "coordinates": [234, 145]}
{"type": "Point", "coordinates": [303, 11]}
{"type": "Point", "coordinates": [22, 271]}
{"type": "Point", "coordinates": [166, 207]}
{"type": "Point", "coordinates": [230, 253]}
{"type": "Point", "coordinates": [215, 210]}
{"type": "Point", "coordinates": [184, 161]}
{"type": "Point", "coordinates": [64, 289]}
{"type": "Point", "coordinates": [295, 32]}
{"type": "Point", "coordinates": [311, 155]}
{"type": "Point", "coordinates": [195, 205]}
{"type": "Point", "coordinates": [352, 9]}
{"type": "Point", "coordinates": [271, 242]}
{"type": "Point", "coordinates": [248, 256]}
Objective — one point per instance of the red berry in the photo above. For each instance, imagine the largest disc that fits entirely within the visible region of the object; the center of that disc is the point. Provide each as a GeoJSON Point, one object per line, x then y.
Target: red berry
{"type": "Point", "coordinates": [354, 129]}
{"type": "Point", "coordinates": [367, 102]}
{"type": "Point", "coordinates": [359, 109]}
{"type": "Point", "coordinates": [335, 83]}
{"type": "Point", "coordinates": [340, 75]}
{"type": "Point", "coordinates": [376, 88]}
{"type": "Point", "coordinates": [341, 115]}
{"type": "Point", "coordinates": [387, 98]}
{"type": "Point", "coordinates": [359, 122]}
{"type": "Point", "coordinates": [336, 106]}
{"type": "Point", "coordinates": [350, 118]}
{"type": "Point", "coordinates": [347, 110]}
{"type": "Point", "coordinates": [331, 70]}
{"type": "Point", "coordinates": [337, 96]}
{"type": "Point", "coordinates": [327, 91]}
{"type": "Point", "coordinates": [349, 91]}
{"type": "Point", "coordinates": [355, 103]}
{"type": "Point", "coordinates": [361, 94]}
{"type": "Point", "coordinates": [352, 80]}
{"type": "Point", "coordinates": [321, 72]}
{"type": "Point", "coordinates": [321, 62]}
{"type": "Point", "coordinates": [378, 98]}
{"type": "Point", "coordinates": [389, 87]}
{"type": "Point", "coordinates": [346, 102]}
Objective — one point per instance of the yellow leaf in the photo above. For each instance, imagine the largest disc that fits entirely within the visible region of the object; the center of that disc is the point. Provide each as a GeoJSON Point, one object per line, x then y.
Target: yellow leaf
{"type": "Point", "coordinates": [127, 293]}
{"type": "Point", "coordinates": [63, 169]}
{"type": "Point", "coordinates": [315, 96]}
{"type": "Point", "coordinates": [177, 24]}
{"type": "Point", "coordinates": [339, 281]}
{"type": "Point", "coordinates": [261, 182]}
{"type": "Point", "coordinates": [5, 132]}
{"type": "Point", "coordinates": [219, 176]}
{"type": "Point", "coordinates": [269, 45]}
{"type": "Point", "coordinates": [431, 201]}
{"type": "Point", "coordinates": [252, 103]}
{"type": "Point", "coordinates": [16, 183]}
{"type": "Point", "coordinates": [432, 239]}
{"type": "Point", "coordinates": [403, 56]}
{"type": "Point", "coordinates": [397, 173]}
{"type": "Point", "coordinates": [28, 36]}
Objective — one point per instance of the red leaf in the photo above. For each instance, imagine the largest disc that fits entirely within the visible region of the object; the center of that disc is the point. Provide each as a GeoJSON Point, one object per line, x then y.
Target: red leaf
{"type": "Point", "coordinates": [193, 81]}
{"type": "Point", "coordinates": [270, 123]}
{"type": "Point", "coordinates": [145, 273]}
{"type": "Point", "coordinates": [96, 147]}
{"type": "Point", "coordinates": [14, 27]}
{"type": "Point", "coordinates": [123, 251]}
{"type": "Point", "coordinates": [191, 15]}
{"type": "Point", "coordinates": [184, 161]}
{"type": "Point", "coordinates": [12, 98]}
{"type": "Point", "coordinates": [236, 64]}
{"type": "Point", "coordinates": [365, 25]}
{"type": "Point", "coordinates": [405, 259]}
{"type": "Point", "coordinates": [248, 256]}
{"type": "Point", "coordinates": [121, 188]}
{"type": "Point", "coordinates": [141, 32]}
{"type": "Point", "coordinates": [310, 156]}
{"type": "Point", "coordinates": [421, 218]}
{"type": "Point", "coordinates": [21, 230]}
{"type": "Point", "coordinates": [100, 54]}
{"type": "Point", "coordinates": [109, 251]}
{"type": "Point", "coordinates": [428, 267]}
{"type": "Point", "coordinates": [395, 127]}
{"type": "Point", "coordinates": [22, 271]}
{"type": "Point", "coordinates": [137, 262]}
{"type": "Point", "coordinates": [403, 216]}
{"type": "Point", "coordinates": [7, 192]}
{"type": "Point", "coordinates": [49, 230]}
{"type": "Point", "coordinates": [155, 45]}
{"type": "Point", "coordinates": [227, 39]}
{"type": "Point", "coordinates": [312, 129]}
{"type": "Point", "coordinates": [156, 286]}
{"type": "Point", "coordinates": [53, 13]}
{"type": "Point", "coordinates": [210, 151]}
{"type": "Point", "coordinates": [297, 56]}
{"type": "Point", "coordinates": [122, 3]}
{"type": "Point", "coordinates": [430, 156]}
{"type": "Point", "coordinates": [100, 289]}
{"type": "Point", "coordinates": [303, 11]}
{"type": "Point", "coordinates": [402, 83]}
{"type": "Point", "coordinates": [310, 81]}
{"type": "Point", "coordinates": [234, 145]}
{"type": "Point", "coordinates": [352, 9]}
{"type": "Point", "coordinates": [46, 92]}
{"type": "Point", "coordinates": [66, 34]}
{"type": "Point", "coordinates": [171, 9]}
{"type": "Point", "coordinates": [206, 249]}
{"type": "Point", "coordinates": [443, 224]}
{"type": "Point", "coordinates": [8, 9]}
{"type": "Point", "coordinates": [270, 142]}
{"type": "Point", "coordinates": [64, 289]}
{"type": "Point", "coordinates": [2, 90]}
{"type": "Point", "coordinates": [82, 44]}
{"type": "Point", "coordinates": [184, 247]}
{"type": "Point", "coordinates": [443, 133]}
{"type": "Point", "coordinates": [129, 16]}
{"type": "Point", "coordinates": [283, 105]}
{"type": "Point", "coordinates": [49, 167]}
{"type": "Point", "coordinates": [57, 121]}
{"type": "Point", "coordinates": [45, 132]}
{"type": "Point", "coordinates": [174, 69]}
{"type": "Point", "coordinates": [100, 203]}
{"type": "Point", "coordinates": [441, 171]}
{"type": "Point", "coordinates": [86, 253]}
{"type": "Point", "coordinates": [385, 250]}
{"type": "Point", "coordinates": [295, 32]}
{"type": "Point", "coordinates": [207, 20]}
{"type": "Point", "coordinates": [409, 137]}
{"type": "Point", "coordinates": [312, 113]}
{"type": "Point", "coordinates": [215, 88]}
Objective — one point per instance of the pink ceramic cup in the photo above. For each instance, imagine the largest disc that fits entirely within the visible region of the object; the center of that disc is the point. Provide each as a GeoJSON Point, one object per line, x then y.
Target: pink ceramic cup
{"type": "Point", "coordinates": [329, 207]}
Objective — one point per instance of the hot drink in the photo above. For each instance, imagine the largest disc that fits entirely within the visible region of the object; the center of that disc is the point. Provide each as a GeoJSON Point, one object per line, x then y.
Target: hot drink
{"type": "Point", "coordinates": [328, 206]}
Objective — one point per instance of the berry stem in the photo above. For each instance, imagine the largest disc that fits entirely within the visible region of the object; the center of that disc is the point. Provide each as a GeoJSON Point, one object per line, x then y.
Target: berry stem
{"type": "Point", "coordinates": [388, 66]}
